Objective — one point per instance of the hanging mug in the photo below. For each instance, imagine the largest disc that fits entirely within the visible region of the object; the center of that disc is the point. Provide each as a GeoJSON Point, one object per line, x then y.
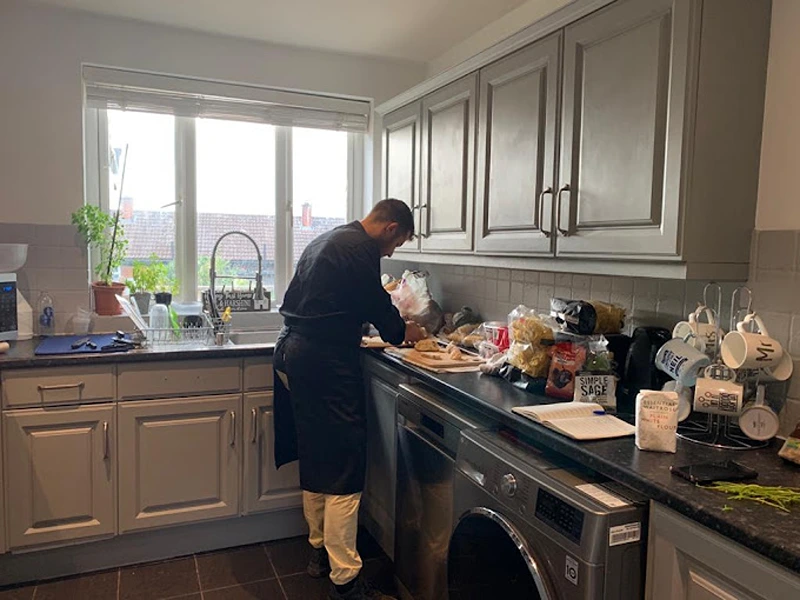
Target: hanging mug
{"type": "Point", "coordinates": [681, 361]}
{"type": "Point", "coordinates": [742, 349]}
{"type": "Point", "coordinates": [703, 336]}
{"type": "Point", "coordinates": [758, 421]}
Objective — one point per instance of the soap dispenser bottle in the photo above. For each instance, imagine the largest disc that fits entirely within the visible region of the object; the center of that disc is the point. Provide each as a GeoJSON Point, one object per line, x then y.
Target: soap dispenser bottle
{"type": "Point", "coordinates": [46, 315]}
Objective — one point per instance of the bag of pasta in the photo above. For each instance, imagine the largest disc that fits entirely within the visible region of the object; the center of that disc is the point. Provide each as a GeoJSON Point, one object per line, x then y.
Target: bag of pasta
{"type": "Point", "coordinates": [531, 339]}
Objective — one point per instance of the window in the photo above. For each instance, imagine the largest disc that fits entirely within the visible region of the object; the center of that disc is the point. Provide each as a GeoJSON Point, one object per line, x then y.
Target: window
{"type": "Point", "coordinates": [199, 164]}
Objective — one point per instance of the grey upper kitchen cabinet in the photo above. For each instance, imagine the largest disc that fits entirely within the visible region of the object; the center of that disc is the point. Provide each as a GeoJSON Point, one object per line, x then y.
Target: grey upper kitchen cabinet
{"type": "Point", "coordinates": [179, 460]}
{"type": "Point", "coordinates": [516, 151]}
{"type": "Point", "coordinates": [401, 161]}
{"type": "Point", "coordinates": [661, 122]}
{"type": "Point", "coordinates": [686, 561]}
{"type": "Point", "coordinates": [448, 153]}
{"type": "Point", "coordinates": [60, 474]}
{"type": "Point", "coordinates": [264, 486]}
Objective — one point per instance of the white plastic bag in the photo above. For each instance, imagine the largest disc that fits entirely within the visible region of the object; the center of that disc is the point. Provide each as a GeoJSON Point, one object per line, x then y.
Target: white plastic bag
{"type": "Point", "coordinates": [413, 299]}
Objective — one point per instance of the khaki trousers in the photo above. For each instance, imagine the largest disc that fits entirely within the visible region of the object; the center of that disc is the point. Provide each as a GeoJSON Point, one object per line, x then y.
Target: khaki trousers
{"type": "Point", "coordinates": [333, 523]}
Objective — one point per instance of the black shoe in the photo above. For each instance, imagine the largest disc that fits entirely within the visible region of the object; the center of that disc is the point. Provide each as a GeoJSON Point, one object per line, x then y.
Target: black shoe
{"type": "Point", "coordinates": [318, 564]}
{"type": "Point", "coordinates": [361, 590]}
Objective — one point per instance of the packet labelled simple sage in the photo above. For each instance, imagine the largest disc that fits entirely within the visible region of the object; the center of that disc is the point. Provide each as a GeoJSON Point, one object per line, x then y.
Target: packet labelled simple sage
{"type": "Point", "coordinates": [656, 420]}
{"type": "Point", "coordinates": [597, 387]}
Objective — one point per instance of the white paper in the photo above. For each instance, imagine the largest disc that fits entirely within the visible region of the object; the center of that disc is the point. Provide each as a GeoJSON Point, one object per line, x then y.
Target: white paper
{"type": "Point", "coordinates": [602, 496]}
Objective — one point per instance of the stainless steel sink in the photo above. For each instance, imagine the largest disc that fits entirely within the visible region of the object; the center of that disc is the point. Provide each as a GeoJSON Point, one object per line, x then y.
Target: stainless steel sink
{"type": "Point", "coordinates": [241, 338]}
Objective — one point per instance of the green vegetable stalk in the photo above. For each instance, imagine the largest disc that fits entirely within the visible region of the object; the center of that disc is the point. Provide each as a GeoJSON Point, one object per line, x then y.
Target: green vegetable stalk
{"type": "Point", "coordinates": [778, 497]}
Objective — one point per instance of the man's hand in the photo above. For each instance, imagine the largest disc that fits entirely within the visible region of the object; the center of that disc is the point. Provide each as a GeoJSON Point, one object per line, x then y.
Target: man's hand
{"type": "Point", "coordinates": [414, 332]}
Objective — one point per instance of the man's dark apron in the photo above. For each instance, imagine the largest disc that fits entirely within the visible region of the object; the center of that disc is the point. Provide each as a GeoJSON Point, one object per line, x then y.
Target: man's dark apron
{"type": "Point", "coordinates": [321, 418]}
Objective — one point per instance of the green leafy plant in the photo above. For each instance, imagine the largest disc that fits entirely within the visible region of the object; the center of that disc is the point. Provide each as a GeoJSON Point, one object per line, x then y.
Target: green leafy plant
{"type": "Point", "coordinates": [149, 276]}
{"type": "Point", "coordinates": [106, 234]}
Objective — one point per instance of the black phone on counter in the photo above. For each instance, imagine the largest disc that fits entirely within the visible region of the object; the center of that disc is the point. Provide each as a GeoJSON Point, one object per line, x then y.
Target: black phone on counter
{"type": "Point", "coordinates": [703, 473]}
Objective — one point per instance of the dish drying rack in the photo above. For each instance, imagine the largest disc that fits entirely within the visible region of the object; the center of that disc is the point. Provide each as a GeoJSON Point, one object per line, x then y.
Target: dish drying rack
{"type": "Point", "coordinates": [213, 332]}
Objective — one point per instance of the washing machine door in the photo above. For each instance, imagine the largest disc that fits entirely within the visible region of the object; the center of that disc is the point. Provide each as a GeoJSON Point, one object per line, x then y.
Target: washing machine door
{"type": "Point", "coordinates": [488, 558]}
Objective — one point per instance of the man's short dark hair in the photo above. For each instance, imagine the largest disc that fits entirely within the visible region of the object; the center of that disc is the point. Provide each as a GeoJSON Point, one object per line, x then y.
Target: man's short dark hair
{"type": "Point", "coordinates": [393, 210]}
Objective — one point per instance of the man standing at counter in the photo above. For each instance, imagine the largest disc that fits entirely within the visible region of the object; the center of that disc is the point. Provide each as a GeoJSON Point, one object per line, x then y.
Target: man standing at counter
{"type": "Point", "coordinates": [320, 410]}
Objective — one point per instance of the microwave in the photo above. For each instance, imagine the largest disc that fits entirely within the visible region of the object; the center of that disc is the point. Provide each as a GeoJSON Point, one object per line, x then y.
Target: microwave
{"type": "Point", "coordinates": [8, 307]}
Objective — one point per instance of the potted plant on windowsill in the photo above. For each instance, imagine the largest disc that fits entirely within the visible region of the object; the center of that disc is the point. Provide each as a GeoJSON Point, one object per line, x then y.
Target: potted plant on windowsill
{"type": "Point", "coordinates": [147, 279]}
{"type": "Point", "coordinates": [106, 234]}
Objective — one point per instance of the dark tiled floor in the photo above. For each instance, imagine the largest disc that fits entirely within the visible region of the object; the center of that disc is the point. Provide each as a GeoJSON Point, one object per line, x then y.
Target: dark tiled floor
{"type": "Point", "coordinates": [272, 571]}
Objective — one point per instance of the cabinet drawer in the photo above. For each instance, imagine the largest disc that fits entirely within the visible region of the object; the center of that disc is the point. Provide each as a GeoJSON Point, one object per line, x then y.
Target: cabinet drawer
{"type": "Point", "coordinates": [178, 378]}
{"type": "Point", "coordinates": [258, 374]}
{"type": "Point", "coordinates": [63, 385]}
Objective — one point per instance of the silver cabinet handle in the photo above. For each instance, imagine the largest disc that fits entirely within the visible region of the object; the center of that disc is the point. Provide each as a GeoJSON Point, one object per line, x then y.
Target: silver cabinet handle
{"type": "Point", "coordinates": [106, 441]}
{"type": "Point", "coordinates": [254, 425]}
{"type": "Point", "coordinates": [545, 191]}
{"type": "Point", "coordinates": [564, 232]}
{"type": "Point", "coordinates": [61, 386]}
{"type": "Point", "coordinates": [232, 434]}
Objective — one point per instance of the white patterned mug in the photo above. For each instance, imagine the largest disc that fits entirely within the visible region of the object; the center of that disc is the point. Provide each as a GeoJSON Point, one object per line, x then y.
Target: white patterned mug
{"type": "Point", "coordinates": [681, 361]}
{"type": "Point", "coordinates": [702, 336]}
{"type": "Point", "coordinates": [718, 397]}
{"type": "Point", "coordinates": [742, 349]}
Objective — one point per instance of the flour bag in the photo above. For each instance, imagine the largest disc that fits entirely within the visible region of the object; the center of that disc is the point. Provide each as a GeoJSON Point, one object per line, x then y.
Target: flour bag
{"type": "Point", "coordinates": [657, 421]}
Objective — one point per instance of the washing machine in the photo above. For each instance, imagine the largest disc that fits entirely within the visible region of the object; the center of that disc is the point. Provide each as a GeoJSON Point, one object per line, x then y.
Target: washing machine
{"type": "Point", "coordinates": [527, 526]}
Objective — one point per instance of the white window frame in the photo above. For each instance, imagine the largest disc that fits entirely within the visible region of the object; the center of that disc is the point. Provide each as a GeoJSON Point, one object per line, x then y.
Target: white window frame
{"type": "Point", "coordinates": [97, 192]}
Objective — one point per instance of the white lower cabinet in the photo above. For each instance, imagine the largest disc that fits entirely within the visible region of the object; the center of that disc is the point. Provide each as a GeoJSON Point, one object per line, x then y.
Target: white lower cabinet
{"type": "Point", "coordinates": [687, 561]}
{"type": "Point", "coordinates": [265, 487]}
{"type": "Point", "coordinates": [60, 474]}
{"type": "Point", "coordinates": [179, 461]}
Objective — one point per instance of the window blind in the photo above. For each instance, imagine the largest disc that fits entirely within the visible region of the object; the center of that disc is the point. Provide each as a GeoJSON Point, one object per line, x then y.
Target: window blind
{"type": "Point", "coordinates": [109, 88]}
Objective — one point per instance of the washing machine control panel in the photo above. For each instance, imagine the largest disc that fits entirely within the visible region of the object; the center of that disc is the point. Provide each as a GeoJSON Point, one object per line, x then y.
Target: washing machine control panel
{"type": "Point", "coordinates": [563, 517]}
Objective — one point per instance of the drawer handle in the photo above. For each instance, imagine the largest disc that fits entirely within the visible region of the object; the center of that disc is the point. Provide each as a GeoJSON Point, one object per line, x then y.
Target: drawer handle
{"type": "Point", "coordinates": [106, 441]}
{"type": "Point", "coordinates": [254, 425]}
{"type": "Point", "coordinates": [545, 191]}
{"type": "Point", "coordinates": [564, 232]}
{"type": "Point", "coordinates": [232, 434]}
{"type": "Point", "coordinates": [61, 386]}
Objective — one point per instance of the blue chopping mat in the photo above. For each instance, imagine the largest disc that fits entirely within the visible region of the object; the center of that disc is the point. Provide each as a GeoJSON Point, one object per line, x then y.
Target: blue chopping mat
{"type": "Point", "coordinates": [62, 344]}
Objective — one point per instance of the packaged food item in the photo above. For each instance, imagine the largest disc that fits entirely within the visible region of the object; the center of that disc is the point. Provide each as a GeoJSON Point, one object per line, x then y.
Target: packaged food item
{"type": "Point", "coordinates": [587, 318]}
{"type": "Point", "coordinates": [497, 334]}
{"type": "Point", "coordinates": [791, 447]}
{"type": "Point", "coordinates": [600, 388]}
{"type": "Point", "coordinates": [530, 342]}
{"type": "Point", "coordinates": [466, 316]}
{"type": "Point", "coordinates": [568, 358]}
{"type": "Point", "coordinates": [656, 420]}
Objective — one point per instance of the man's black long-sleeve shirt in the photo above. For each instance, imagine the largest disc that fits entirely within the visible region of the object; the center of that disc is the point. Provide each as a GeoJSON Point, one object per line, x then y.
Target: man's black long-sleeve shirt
{"type": "Point", "coordinates": [337, 287]}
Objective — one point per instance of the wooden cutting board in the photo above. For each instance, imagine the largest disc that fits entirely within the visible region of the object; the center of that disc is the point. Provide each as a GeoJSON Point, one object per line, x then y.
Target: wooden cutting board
{"type": "Point", "coordinates": [439, 360]}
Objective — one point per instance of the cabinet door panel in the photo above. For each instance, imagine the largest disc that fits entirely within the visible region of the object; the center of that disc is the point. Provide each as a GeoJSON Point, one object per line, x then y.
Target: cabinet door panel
{"type": "Point", "coordinates": [448, 133]}
{"type": "Point", "coordinates": [265, 487]}
{"type": "Point", "coordinates": [401, 161]}
{"type": "Point", "coordinates": [516, 151]}
{"type": "Point", "coordinates": [179, 461]}
{"type": "Point", "coordinates": [60, 475]}
{"type": "Point", "coordinates": [623, 104]}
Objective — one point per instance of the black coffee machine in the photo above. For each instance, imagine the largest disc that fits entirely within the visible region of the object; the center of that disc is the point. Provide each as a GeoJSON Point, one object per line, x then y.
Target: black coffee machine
{"type": "Point", "coordinates": [640, 371]}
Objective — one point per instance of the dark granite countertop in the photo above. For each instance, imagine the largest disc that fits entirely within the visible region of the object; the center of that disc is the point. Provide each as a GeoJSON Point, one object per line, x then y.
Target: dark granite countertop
{"type": "Point", "coordinates": [763, 529]}
{"type": "Point", "coordinates": [21, 355]}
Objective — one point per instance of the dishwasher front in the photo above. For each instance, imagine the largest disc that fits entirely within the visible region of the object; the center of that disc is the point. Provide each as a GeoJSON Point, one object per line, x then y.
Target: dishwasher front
{"type": "Point", "coordinates": [428, 433]}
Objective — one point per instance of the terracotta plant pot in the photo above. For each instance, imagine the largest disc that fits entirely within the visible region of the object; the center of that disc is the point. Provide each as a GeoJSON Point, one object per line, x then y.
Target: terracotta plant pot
{"type": "Point", "coordinates": [105, 303]}
{"type": "Point", "coordinates": [142, 300]}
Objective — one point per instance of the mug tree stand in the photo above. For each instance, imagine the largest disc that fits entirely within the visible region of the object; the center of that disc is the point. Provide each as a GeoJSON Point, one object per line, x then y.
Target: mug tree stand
{"type": "Point", "coordinates": [717, 431]}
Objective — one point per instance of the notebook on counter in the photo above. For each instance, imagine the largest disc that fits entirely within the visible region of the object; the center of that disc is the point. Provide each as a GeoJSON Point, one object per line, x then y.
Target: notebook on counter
{"type": "Point", "coordinates": [578, 420]}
